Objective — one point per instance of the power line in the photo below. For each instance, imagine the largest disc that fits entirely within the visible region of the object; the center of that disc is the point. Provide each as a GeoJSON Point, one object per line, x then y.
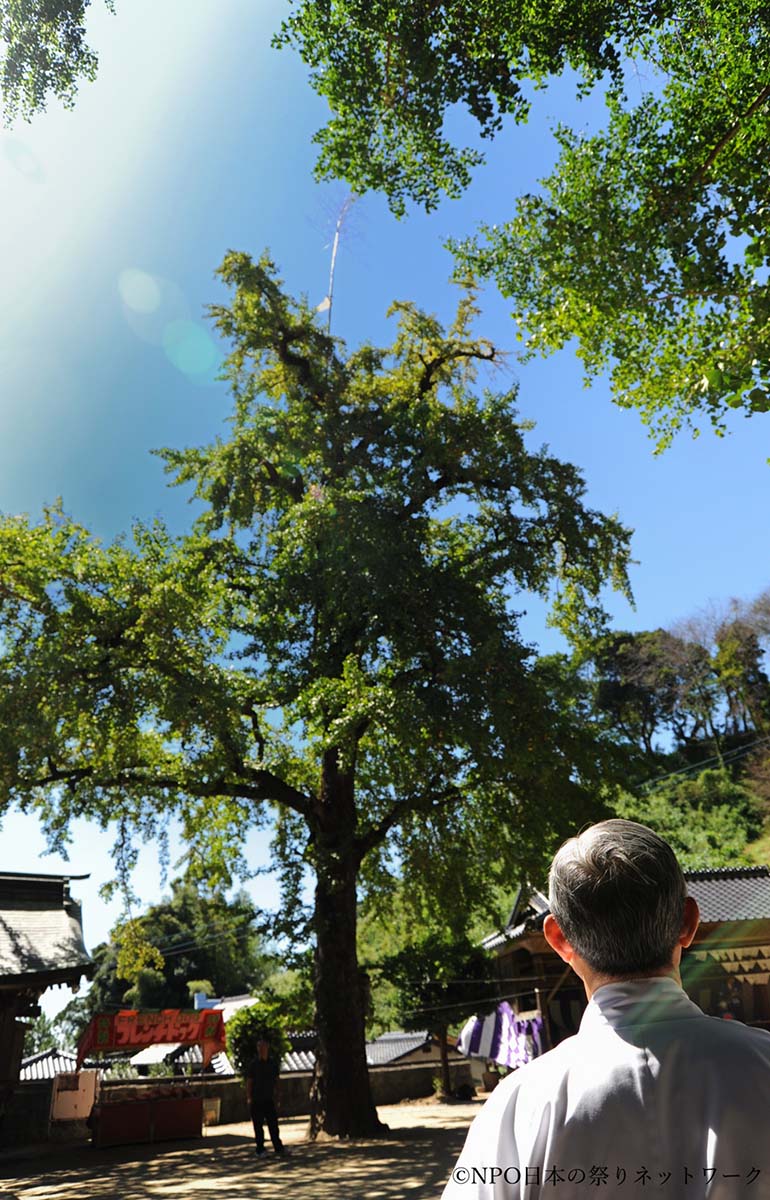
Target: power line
{"type": "Point", "coordinates": [728, 756]}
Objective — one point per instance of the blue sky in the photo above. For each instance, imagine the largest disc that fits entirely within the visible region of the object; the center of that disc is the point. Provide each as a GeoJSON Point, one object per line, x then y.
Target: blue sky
{"type": "Point", "coordinates": [196, 139]}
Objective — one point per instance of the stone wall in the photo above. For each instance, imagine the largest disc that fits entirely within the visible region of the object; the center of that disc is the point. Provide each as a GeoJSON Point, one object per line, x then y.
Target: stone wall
{"type": "Point", "coordinates": [26, 1121]}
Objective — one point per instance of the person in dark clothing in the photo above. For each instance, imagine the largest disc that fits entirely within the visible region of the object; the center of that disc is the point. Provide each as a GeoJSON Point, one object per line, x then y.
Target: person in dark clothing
{"type": "Point", "coordinates": [261, 1084]}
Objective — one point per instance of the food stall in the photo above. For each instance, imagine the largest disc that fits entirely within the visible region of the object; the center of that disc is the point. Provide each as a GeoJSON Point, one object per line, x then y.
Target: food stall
{"type": "Point", "coordinates": [159, 1112]}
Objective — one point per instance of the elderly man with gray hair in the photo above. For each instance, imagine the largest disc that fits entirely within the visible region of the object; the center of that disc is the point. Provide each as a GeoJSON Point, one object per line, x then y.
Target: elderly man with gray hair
{"type": "Point", "coordinates": [650, 1096]}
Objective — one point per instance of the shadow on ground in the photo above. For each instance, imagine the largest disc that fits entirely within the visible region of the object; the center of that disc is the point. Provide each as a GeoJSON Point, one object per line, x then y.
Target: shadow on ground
{"type": "Point", "coordinates": [413, 1161]}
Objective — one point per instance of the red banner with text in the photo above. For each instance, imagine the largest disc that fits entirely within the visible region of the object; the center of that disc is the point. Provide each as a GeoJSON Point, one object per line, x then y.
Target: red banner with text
{"type": "Point", "coordinates": [130, 1030]}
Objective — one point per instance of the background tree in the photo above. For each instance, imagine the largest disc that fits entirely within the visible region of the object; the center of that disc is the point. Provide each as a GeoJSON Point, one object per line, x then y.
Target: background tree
{"type": "Point", "coordinates": [682, 696]}
{"type": "Point", "coordinates": [334, 646]}
{"type": "Point", "coordinates": [290, 988]}
{"type": "Point", "coordinates": [648, 244]}
{"type": "Point", "coordinates": [440, 981]}
{"type": "Point", "coordinates": [707, 819]}
{"type": "Point", "coordinates": [40, 1035]}
{"type": "Point", "coordinates": [195, 937]}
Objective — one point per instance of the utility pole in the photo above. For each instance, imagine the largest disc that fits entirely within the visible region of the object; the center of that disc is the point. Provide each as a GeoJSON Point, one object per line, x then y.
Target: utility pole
{"type": "Point", "coordinates": [328, 301]}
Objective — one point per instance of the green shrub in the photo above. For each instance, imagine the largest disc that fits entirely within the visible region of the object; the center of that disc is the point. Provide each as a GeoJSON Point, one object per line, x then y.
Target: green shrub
{"type": "Point", "coordinates": [248, 1025]}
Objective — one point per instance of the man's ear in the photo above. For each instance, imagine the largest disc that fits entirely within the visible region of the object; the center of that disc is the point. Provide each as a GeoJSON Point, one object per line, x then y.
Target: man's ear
{"type": "Point", "coordinates": [556, 940]}
{"type": "Point", "coordinates": [690, 921]}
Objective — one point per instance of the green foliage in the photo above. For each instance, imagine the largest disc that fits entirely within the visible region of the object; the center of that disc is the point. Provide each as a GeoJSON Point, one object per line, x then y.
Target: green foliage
{"type": "Point", "coordinates": [648, 244]}
{"type": "Point", "coordinates": [701, 691]}
{"type": "Point", "coordinates": [441, 981]}
{"type": "Point", "coordinates": [248, 1025]}
{"type": "Point", "coordinates": [200, 985]}
{"type": "Point", "coordinates": [707, 819]}
{"type": "Point", "coordinates": [44, 53]}
{"type": "Point", "coordinates": [148, 989]}
{"type": "Point", "coordinates": [71, 1021]}
{"type": "Point", "coordinates": [386, 930]}
{"type": "Point", "coordinates": [366, 523]}
{"type": "Point", "coordinates": [136, 954]}
{"type": "Point", "coordinates": [392, 70]}
{"type": "Point", "coordinates": [40, 1035]}
{"type": "Point", "coordinates": [291, 991]}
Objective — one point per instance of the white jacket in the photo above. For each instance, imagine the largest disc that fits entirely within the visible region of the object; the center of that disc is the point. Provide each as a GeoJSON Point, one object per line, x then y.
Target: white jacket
{"type": "Point", "coordinates": [650, 1098]}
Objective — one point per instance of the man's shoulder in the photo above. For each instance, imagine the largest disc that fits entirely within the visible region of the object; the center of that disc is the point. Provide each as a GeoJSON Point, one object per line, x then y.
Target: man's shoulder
{"type": "Point", "coordinates": [541, 1071]}
{"type": "Point", "coordinates": [735, 1033]}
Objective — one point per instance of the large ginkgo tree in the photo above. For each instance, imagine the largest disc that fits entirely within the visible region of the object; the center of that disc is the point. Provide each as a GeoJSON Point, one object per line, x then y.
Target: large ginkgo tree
{"type": "Point", "coordinates": [334, 647]}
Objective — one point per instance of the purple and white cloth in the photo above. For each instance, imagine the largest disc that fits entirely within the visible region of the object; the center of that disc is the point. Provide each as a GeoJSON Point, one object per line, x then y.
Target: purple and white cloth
{"type": "Point", "coordinates": [502, 1037]}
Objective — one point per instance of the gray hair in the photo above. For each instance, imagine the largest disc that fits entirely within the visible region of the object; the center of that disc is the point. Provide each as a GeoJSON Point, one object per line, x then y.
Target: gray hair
{"type": "Point", "coordinates": [617, 892]}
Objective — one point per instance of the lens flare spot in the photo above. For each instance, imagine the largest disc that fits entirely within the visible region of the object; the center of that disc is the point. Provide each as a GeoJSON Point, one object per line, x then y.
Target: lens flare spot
{"type": "Point", "coordinates": [139, 291]}
{"type": "Point", "coordinates": [22, 159]}
{"type": "Point", "coordinates": [189, 347]}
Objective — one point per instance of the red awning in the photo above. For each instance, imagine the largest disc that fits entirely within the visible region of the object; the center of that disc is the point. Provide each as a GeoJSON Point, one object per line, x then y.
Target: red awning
{"type": "Point", "coordinates": [131, 1030]}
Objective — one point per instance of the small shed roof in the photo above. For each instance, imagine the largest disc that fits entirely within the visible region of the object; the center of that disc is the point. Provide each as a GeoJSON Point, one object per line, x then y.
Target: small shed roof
{"type": "Point", "coordinates": [41, 931]}
{"type": "Point", "coordinates": [46, 1064]}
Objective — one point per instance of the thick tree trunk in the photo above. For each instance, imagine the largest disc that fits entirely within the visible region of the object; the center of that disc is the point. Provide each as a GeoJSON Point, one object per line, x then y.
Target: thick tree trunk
{"type": "Point", "coordinates": [341, 1099]}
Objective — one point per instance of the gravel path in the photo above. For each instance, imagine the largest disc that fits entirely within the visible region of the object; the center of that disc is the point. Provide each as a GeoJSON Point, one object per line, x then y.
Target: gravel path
{"type": "Point", "coordinates": [413, 1162]}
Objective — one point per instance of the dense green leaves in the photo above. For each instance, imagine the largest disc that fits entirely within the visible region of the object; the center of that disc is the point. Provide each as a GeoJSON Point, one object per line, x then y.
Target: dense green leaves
{"type": "Point", "coordinates": [347, 589]}
{"type": "Point", "coordinates": [43, 53]}
{"type": "Point", "coordinates": [249, 1025]}
{"type": "Point", "coordinates": [391, 71]}
{"type": "Point", "coordinates": [40, 1035]}
{"type": "Point", "coordinates": [708, 820]}
{"type": "Point", "coordinates": [647, 247]}
{"type": "Point", "coordinates": [441, 981]}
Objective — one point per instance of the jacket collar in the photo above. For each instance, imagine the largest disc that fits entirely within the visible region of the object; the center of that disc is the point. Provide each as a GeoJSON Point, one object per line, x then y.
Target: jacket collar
{"type": "Point", "coordinates": [638, 1002]}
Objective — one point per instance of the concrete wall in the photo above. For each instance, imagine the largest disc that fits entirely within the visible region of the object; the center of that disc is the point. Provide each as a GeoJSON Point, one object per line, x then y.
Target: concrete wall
{"type": "Point", "coordinates": [26, 1121]}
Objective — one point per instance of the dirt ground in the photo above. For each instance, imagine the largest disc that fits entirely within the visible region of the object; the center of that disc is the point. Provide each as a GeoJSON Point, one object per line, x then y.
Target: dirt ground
{"type": "Point", "coordinates": [412, 1163]}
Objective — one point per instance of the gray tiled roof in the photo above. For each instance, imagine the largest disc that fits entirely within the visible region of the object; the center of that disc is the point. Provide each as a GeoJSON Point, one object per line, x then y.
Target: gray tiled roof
{"type": "Point", "coordinates": [176, 1053]}
{"type": "Point", "coordinates": [298, 1060]}
{"type": "Point", "coordinates": [46, 1064]}
{"type": "Point", "coordinates": [731, 893]}
{"type": "Point", "coordinates": [40, 928]}
{"type": "Point", "coordinates": [387, 1048]}
{"type": "Point", "coordinates": [722, 893]}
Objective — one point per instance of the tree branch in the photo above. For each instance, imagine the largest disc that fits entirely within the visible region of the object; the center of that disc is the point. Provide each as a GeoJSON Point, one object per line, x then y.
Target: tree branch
{"type": "Point", "coordinates": [731, 134]}
{"type": "Point", "coordinates": [263, 785]}
{"type": "Point", "coordinates": [430, 367]}
{"type": "Point", "coordinates": [425, 802]}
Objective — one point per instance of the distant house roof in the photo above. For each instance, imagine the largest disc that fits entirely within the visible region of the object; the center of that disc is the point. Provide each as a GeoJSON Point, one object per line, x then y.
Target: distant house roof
{"type": "Point", "coordinates": [46, 1064]}
{"type": "Point", "coordinates": [389, 1047]}
{"type": "Point", "coordinates": [41, 931]}
{"type": "Point", "coordinates": [298, 1060]}
{"type": "Point", "coordinates": [722, 893]}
